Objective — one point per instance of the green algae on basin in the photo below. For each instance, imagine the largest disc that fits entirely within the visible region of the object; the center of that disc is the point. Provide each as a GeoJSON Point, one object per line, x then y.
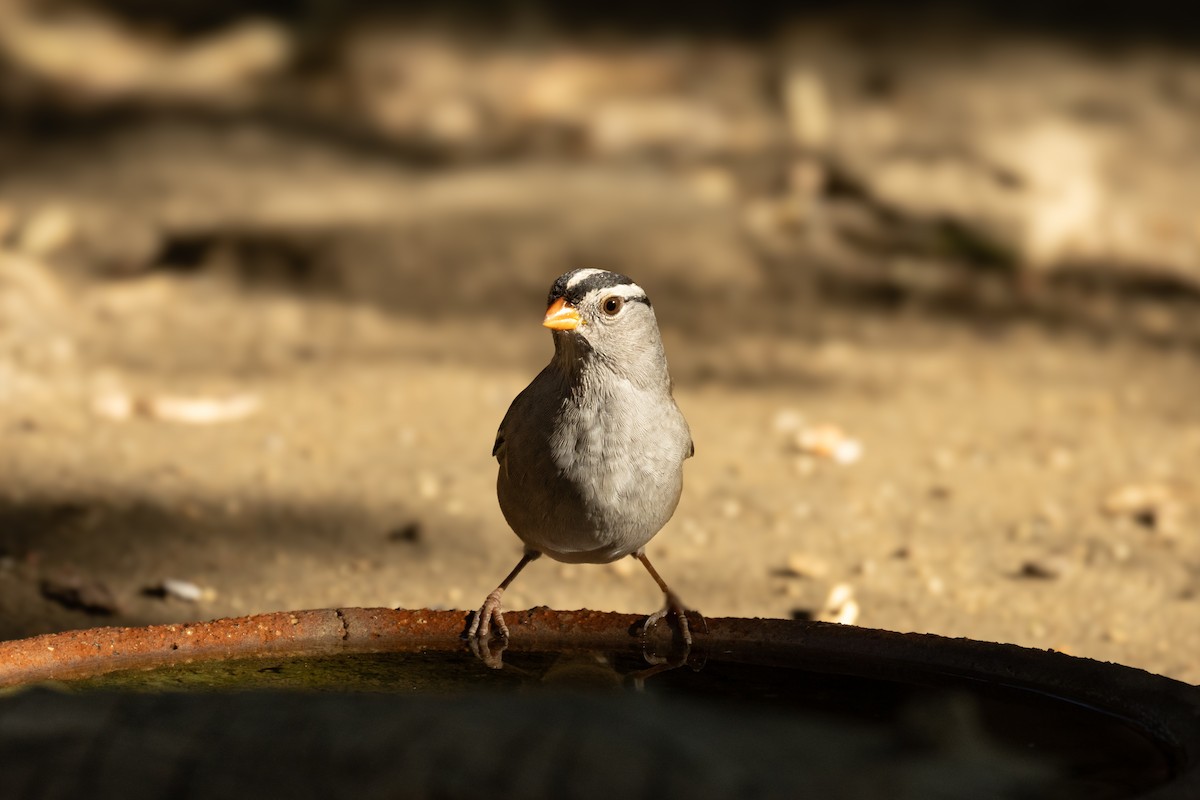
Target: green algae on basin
{"type": "Point", "coordinates": [362, 672]}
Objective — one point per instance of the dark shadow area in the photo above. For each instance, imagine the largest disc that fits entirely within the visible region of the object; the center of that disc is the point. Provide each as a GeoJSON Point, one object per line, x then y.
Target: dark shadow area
{"type": "Point", "coordinates": [84, 562]}
{"type": "Point", "coordinates": [1158, 18]}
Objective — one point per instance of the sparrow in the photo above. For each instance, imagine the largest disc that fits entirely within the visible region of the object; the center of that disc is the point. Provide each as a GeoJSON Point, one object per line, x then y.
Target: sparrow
{"type": "Point", "coordinates": [591, 452]}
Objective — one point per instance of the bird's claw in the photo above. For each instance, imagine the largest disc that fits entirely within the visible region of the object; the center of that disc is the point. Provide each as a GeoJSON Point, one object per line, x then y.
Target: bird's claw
{"type": "Point", "coordinates": [488, 613]}
{"type": "Point", "coordinates": [675, 608]}
{"type": "Point", "coordinates": [663, 613]}
{"type": "Point", "coordinates": [481, 626]}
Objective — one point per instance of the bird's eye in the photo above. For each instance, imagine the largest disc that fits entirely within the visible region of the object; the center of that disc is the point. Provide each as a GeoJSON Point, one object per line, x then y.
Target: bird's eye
{"type": "Point", "coordinates": [612, 305]}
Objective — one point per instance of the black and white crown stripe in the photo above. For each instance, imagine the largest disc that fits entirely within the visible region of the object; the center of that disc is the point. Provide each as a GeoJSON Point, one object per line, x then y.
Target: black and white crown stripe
{"type": "Point", "coordinates": [575, 286]}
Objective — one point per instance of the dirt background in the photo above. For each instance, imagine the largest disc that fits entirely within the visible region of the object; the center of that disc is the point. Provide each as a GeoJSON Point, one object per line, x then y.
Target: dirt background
{"type": "Point", "coordinates": [269, 279]}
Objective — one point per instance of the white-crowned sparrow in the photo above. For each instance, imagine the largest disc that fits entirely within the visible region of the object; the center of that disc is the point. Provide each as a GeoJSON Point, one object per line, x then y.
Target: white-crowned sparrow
{"type": "Point", "coordinates": [591, 452]}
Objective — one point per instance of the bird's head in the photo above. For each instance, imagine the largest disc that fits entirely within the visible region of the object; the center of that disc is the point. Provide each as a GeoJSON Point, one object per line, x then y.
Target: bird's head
{"type": "Point", "coordinates": [604, 315]}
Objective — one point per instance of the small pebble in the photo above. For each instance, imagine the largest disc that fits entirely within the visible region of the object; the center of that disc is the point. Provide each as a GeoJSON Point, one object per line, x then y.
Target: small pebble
{"type": "Point", "coordinates": [840, 606]}
{"type": "Point", "coordinates": [182, 590]}
{"type": "Point", "coordinates": [1116, 635]}
{"type": "Point", "coordinates": [847, 614]}
{"type": "Point", "coordinates": [866, 567]}
{"type": "Point", "coordinates": [1046, 567]}
{"type": "Point", "coordinates": [804, 565]}
{"type": "Point", "coordinates": [199, 410]}
{"type": "Point", "coordinates": [408, 533]}
{"type": "Point", "coordinates": [1152, 505]}
{"type": "Point", "coordinates": [829, 442]}
{"type": "Point", "coordinates": [940, 492]}
{"type": "Point", "coordinates": [839, 447]}
{"type": "Point", "coordinates": [72, 590]}
{"type": "Point", "coordinates": [428, 485]}
{"type": "Point", "coordinates": [1121, 551]}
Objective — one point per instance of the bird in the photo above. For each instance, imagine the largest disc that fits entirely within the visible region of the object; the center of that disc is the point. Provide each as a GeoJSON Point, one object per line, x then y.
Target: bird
{"type": "Point", "coordinates": [591, 452]}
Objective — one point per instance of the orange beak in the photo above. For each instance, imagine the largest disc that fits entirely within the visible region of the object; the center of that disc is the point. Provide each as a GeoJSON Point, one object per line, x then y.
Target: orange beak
{"type": "Point", "coordinates": [561, 316]}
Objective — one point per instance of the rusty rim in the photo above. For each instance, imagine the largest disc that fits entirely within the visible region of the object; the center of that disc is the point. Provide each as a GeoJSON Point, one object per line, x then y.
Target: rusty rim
{"type": "Point", "coordinates": [1167, 709]}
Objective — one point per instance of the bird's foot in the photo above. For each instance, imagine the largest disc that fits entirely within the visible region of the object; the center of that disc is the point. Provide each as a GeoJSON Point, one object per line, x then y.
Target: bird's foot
{"type": "Point", "coordinates": [675, 608]}
{"type": "Point", "coordinates": [663, 613]}
{"type": "Point", "coordinates": [488, 613]}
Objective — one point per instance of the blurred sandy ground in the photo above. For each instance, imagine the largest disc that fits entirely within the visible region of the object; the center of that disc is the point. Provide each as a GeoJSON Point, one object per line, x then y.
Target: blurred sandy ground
{"type": "Point", "coordinates": [270, 273]}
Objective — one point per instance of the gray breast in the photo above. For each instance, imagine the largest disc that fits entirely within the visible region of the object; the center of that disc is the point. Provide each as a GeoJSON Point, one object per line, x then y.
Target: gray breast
{"type": "Point", "coordinates": [598, 477]}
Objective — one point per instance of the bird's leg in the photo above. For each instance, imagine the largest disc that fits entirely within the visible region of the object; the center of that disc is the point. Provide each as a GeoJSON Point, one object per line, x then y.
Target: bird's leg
{"type": "Point", "coordinates": [673, 604]}
{"type": "Point", "coordinates": [489, 612]}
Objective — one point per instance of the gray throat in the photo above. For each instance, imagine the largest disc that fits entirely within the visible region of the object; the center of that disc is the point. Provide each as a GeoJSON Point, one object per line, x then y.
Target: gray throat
{"type": "Point", "coordinates": [583, 366]}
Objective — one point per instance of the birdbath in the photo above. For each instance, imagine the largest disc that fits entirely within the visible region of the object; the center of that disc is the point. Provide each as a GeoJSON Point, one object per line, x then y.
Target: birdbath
{"type": "Point", "coordinates": [379, 702]}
